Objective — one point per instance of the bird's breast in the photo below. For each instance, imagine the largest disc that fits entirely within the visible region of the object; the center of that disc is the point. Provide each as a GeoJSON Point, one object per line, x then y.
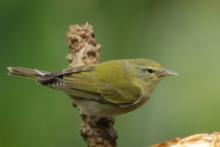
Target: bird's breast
{"type": "Point", "coordinates": [94, 108]}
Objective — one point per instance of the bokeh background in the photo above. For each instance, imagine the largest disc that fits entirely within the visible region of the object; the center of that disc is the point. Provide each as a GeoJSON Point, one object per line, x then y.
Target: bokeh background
{"type": "Point", "coordinates": [183, 35]}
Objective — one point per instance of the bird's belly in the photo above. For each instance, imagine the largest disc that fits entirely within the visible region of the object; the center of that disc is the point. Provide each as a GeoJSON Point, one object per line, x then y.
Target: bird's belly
{"type": "Point", "coordinates": [94, 108]}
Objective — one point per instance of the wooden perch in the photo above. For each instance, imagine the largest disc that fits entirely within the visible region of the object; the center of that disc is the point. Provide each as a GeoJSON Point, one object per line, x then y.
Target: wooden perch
{"type": "Point", "coordinates": [84, 49]}
{"type": "Point", "coordinates": [198, 140]}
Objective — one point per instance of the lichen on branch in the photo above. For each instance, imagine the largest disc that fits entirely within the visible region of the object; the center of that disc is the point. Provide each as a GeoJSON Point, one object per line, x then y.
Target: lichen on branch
{"type": "Point", "coordinates": [84, 48]}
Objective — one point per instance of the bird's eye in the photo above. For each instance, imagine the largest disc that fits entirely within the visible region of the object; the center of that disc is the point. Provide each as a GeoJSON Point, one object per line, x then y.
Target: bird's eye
{"type": "Point", "coordinates": [149, 70]}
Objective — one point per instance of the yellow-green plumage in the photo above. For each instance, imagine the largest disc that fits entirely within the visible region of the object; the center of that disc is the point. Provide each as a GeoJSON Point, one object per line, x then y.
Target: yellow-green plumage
{"type": "Point", "coordinates": [105, 89]}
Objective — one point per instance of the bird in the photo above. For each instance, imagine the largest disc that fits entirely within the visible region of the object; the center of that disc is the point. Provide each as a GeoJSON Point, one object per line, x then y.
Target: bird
{"type": "Point", "coordinates": [106, 89]}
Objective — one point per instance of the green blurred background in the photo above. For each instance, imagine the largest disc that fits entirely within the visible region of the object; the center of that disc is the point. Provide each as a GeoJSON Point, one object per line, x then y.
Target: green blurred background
{"type": "Point", "coordinates": [183, 35]}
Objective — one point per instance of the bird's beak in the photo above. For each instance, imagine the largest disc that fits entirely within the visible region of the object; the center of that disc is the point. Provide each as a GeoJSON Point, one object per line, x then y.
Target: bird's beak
{"type": "Point", "coordinates": [166, 72]}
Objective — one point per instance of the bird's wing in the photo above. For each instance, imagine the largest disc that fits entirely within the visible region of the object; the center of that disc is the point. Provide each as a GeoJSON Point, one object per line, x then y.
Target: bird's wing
{"type": "Point", "coordinates": [98, 83]}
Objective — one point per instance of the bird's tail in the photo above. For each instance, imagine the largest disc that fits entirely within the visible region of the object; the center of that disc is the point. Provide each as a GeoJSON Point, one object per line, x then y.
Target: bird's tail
{"type": "Point", "coordinates": [25, 72]}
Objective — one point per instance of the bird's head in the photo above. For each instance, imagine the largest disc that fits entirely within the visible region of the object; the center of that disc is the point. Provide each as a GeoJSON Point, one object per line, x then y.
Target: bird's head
{"type": "Point", "coordinates": [150, 72]}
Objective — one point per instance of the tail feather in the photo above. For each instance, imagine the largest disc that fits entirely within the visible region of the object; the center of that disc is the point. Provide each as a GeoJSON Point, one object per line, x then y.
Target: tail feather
{"type": "Point", "coordinates": [25, 72]}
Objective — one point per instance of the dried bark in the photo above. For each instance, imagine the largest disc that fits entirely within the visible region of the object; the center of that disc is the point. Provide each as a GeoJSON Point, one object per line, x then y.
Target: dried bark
{"type": "Point", "coordinates": [198, 140]}
{"type": "Point", "coordinates": [84, 49]}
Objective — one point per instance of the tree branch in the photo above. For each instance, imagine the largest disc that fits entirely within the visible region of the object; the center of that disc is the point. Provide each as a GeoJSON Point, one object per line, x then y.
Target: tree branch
{"type": "Point", "coordinates": [84, 49]}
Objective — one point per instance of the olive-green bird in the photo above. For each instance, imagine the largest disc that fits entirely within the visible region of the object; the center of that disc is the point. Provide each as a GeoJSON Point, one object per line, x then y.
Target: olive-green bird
{"type": "Point", "coordinates": [106, 89]}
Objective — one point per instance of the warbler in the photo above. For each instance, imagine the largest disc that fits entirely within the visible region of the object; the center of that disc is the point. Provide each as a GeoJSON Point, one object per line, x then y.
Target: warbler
{"type": "Point", "coordinates": [106, 89]}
